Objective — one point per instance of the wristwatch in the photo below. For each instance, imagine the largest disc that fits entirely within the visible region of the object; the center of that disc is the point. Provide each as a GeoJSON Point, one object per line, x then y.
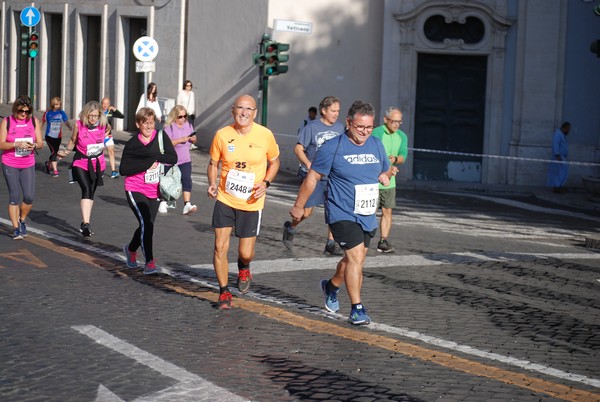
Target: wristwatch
{"type": "Point", "coordinates": [268, 183]}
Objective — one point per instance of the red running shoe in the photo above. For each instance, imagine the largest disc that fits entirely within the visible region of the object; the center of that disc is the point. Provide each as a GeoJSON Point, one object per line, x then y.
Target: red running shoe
{"type": "Point", "coordinates": [244, 280]}
{"type": "Point", "coordinates": [225, 301]}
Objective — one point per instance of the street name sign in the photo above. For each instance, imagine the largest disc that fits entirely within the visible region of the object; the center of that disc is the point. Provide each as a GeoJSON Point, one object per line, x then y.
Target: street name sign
{"type": "Point", "coordinates": [293, 26]}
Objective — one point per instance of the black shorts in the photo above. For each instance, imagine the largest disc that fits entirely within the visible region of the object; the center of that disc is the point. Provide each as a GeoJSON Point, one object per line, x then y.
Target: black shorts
{"type": "Point", "coordinates": [246, 223]}
{"type": "Point", "coordinates": [350, 234]}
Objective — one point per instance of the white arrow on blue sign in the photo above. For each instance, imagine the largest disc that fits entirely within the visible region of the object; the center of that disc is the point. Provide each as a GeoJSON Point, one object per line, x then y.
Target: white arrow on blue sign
{"type": "Point", "coordinates": [145, 49]}
{"type": "Point", "coordinates": [30, 16]}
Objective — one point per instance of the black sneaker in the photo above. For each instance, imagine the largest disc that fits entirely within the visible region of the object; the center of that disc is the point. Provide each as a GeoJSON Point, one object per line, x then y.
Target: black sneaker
{"type": "Point", "coordinates": [86, 230]}
{"type": "Point", "coordinates": [333, 249]}
{"type": "Point", "coordinates": [288, 235]}
{"type": "Point", "coordinates": [385, 247]}
{"type": "Point", "coordinates": [47, 167]}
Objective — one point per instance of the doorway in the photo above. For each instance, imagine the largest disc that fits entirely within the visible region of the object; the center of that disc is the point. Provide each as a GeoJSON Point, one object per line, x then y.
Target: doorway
{"type": "Point", "coordinates": [135, 81]}
{"type": "Point", "coordinates": [449, 117]}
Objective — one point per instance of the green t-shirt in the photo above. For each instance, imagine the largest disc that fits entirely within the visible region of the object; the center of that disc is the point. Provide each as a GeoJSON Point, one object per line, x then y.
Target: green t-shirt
{"type": "Point", "coordinates": [395, 144]}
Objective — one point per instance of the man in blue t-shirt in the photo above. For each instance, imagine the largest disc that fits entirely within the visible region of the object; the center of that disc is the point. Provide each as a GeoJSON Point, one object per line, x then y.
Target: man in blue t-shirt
{"type": "Point", "coordinates": [310, 139]}
{"type": "Point", "coordinates": [355, 163]}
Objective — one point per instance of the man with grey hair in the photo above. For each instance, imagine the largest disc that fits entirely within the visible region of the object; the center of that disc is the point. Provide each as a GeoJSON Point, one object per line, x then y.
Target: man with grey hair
{"type": "Point", "coordinates": [310, 139]}
{"type": "Point", "coordinates": [395, 142]}
{"type": "Point", "coordinates": [355, 163]}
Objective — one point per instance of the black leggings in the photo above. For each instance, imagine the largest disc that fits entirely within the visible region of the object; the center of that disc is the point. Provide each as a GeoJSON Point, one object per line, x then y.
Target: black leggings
{"type": "Point", "coordinates": [145, 210]}
{"type": "Point", "coordinates": [53, 145]}
{"type": "Point", "coordinates": [88, 187]}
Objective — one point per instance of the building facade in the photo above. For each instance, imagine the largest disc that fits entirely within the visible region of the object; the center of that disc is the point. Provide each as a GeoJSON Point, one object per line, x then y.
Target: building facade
{"type": "Point", "coordinates": [482, 83]}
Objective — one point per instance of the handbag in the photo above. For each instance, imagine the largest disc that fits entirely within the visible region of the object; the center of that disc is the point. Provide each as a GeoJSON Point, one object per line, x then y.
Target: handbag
{"type": "Point", "coordinates": [170, 182]}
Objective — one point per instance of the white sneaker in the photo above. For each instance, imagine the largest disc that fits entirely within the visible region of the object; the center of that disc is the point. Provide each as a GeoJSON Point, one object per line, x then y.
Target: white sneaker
{"type": "Point", "coordinates": [189, 209]}
{"type": "Point", "coordinates": [162, 208]}
{"type": "Point", "coordinates": [172, 204]}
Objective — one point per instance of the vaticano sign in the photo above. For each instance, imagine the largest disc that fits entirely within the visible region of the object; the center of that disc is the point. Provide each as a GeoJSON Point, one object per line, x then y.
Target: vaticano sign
{"type": "Point", "coordinates": [293, 26]}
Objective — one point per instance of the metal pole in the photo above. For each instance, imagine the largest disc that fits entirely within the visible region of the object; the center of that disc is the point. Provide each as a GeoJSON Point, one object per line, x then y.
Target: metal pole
{"type": "Point", "coordinates": [265, 101]}
{"type": "Point", "coordinates": [32, 82]}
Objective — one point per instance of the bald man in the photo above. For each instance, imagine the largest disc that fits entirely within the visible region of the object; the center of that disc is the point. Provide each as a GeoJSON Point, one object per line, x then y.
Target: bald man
{"type": "Point", "coordinates": [248, 156]}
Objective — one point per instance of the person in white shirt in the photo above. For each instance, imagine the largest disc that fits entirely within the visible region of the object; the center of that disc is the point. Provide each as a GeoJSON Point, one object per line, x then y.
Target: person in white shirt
{"type": "Point", "coordinates": [185, 98]}
{"type": "Point", "coordinates": [150, 99]}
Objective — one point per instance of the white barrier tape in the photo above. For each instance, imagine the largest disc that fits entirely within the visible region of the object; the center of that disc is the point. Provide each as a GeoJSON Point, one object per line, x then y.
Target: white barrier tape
{"type": "Point", "coordinates": [514, 158]}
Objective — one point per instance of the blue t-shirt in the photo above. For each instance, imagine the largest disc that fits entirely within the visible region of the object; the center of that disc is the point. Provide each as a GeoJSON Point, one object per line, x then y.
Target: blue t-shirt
{"type": "Point", "coordinates": [314, 134]}
{"type": "Point", "coordinates": [348, 166]}
{"type": "Point", "coordinates": [54, 120]}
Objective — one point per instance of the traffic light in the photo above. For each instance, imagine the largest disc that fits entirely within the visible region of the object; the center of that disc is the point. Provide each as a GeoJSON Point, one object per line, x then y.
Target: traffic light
{"type": "Point", "coordinates": [274, 56]}
{"type": "Point", "coordinates": [33, 46]}
{"type": "Point", "coordinates": [24, 43]}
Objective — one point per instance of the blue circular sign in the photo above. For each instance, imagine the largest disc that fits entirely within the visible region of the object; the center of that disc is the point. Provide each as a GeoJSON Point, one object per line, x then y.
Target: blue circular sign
{"type": "Point", "coordinates": [30, 16]}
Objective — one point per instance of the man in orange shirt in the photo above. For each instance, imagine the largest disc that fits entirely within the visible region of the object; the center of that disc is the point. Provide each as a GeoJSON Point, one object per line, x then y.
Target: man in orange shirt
{"type": "Point", "coordinates": [248, 156]}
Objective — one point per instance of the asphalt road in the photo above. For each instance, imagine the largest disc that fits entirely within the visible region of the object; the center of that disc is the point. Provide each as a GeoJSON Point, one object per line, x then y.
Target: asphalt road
{"type": "Point", "coordinates": [490, 296]}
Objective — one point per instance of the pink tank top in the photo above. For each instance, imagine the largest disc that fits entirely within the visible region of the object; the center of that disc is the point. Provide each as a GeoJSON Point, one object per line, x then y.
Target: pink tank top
{"type": "Point", "coordinates": [144, 182]}
{"type": "Point", "coordinates": [19, 129]}
{"type": "Point", "coordinates": [90, 142]}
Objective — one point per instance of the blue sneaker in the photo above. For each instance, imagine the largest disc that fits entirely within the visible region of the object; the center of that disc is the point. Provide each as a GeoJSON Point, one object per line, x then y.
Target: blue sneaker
{"type": "Point", "coordinates": [131, 257]}
{"type": "Point", "coordinates": [17, 234]}
{"type": "Point", "coordinates": [150, 268]}
{"type": "Point", "coordinates": [331, 302]}
{"type": "Point", "coordinates": [359, 316]}
{"type": "Point", "coordinates": [23, 228]}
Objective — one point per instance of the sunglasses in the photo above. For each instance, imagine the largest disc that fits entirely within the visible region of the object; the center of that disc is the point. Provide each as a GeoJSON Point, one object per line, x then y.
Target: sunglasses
{"type": "Point", "coordinates": [19, 111]}
{"type": "Point", "coordinates": [183, 116]}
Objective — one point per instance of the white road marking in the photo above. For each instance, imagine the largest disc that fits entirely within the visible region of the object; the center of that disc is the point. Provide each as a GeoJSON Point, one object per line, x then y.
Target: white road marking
{"type": "Point", "coordinates": [260, 267]}
{"type": "Point", "coordinates": [190, 387]}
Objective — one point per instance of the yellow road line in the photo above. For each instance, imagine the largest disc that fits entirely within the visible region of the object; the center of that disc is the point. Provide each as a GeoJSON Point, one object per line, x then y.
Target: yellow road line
{"type": "Point", "coordinates": [394, 345]}
{"type": "Point", "coordinates": [435, 356]}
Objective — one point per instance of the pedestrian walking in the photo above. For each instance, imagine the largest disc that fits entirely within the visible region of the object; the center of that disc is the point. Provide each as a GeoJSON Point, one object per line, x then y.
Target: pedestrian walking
{"type": "Point", "coordinates": [310, 139]}
{"type": "Point", "coordinates": [20, 136]}
{"type": "Point", "coordinates": [87, 140]}
{"type": "Point", "coordinates": [395, 143]}
{"type": "Point", "coordinates": [558, 172]}
{"type": "Point", "coordinates": [186, 98]}
{"type": "Point", "coordinates": [54, 118]}
{"type": "Point", "coordinates": [355, 163]}
{"type": "Point", "coordinates": [183, 136]}
{"type": "Point", "coordinates": [150, 99]}
{"type": "Point", "coordinates": [111, 113]}
{"type": "Point", "coordinates": [248, 157]}
{"type": "Point", "coordinates": [140, 164]}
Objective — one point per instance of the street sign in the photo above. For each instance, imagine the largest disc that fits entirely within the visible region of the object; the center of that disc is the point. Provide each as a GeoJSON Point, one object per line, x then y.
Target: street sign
{"type": "Point", "coordinates": [145, 66]}
{"type": "Point", "coordinates": [293, 26]}
{"type": "Point", "coordinates": [145, 49]}
{"type": "Point", "coordinates": [30, 16]}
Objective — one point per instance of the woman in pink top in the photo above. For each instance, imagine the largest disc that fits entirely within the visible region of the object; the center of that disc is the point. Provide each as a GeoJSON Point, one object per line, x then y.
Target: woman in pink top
{"type": "Point", "coordinates": [140, 165]}
{"type": "Point", "coordinates": [20, 136]}
{"type": "Point", "coordinates": [88, 163]}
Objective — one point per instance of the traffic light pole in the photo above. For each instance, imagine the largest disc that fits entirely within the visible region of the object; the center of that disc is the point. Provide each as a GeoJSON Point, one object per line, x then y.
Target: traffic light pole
{"type": "Point", "coordinates": [32, 81]}
{"type": "Point", "coordinates": [265, 101]}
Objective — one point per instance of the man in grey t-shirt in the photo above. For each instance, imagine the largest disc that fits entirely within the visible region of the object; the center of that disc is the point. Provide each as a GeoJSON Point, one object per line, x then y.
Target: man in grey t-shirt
{"type": "Point", "coordinates": [310, 138]}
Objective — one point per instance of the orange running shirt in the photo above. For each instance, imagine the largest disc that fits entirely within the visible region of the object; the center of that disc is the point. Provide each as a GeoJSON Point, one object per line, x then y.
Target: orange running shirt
{"type": "Point", "coordinates": [243, 163]}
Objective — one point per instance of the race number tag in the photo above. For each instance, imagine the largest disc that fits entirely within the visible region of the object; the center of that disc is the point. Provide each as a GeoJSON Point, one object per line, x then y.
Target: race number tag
{"type": "Point", "coordinates": [239, 184]}
{"type": "Point", "coordinates": [54, 129]}
{"type": "Point", "coordinates": [151, 176]}
{"type": "Point", "coordinates": [20, 153]}
{"type": "Point", "coordinates": [365, 198]}
{"type": "Point", "coordinates": [94, 149]}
